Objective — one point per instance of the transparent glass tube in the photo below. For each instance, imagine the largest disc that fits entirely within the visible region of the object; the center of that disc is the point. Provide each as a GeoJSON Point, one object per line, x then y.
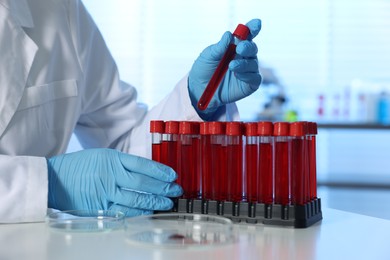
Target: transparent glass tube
{"type": "Point", "coordinates": [313, 160]}
{"type": "Point", "coordinates": [282, 160]}
{"type": "Point", "coordinates": [265, 161]}
{"type": "Point", "coordinates": [156, 130]}
{"type": "Point", "coordinates": [169, 144]}
{"type": "Point", "coordinates": [218, 160]}
{"type": "Point", "coordinates": [266, 176]}
{"type": "Point", "coordinates": [241, 33]}
{"type": "Point", "coordinates": [205, 161]}
{"type": "Point", "coordinates": [251, 162]}
{"type": "Point", "coordinates": [233, 182]}
{"type": "Point", "coordinates": [188, 166]}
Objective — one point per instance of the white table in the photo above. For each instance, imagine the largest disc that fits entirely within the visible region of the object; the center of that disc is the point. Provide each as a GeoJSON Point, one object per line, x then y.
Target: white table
{"type": "Point", "coordinates": [340, 235]}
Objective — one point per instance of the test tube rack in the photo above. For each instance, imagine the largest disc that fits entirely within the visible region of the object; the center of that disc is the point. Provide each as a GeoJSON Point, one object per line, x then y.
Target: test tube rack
{"type": "Point", "coordinates": [254, 173]}
{"type": "Point", "coordinates": [298, 216]}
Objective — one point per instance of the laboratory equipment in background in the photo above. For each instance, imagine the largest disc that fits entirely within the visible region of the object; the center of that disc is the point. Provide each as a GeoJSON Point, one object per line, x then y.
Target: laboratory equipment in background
{"type": "Point", "coordinates": [275, 186]}
{"type": "Point", "coordinates": [274, 108]}
{"type": "Point", "coordinates": [360, 102]}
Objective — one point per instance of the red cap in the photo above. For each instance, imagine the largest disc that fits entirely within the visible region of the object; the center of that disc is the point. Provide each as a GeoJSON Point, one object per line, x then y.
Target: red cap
{"type": "Point", "coordinates": [188, 127]}
{"type": "Point", "coordinates": [281, 129]}
{"type": "Point", "coordinates": [157, 126]}
{"type": "Point", "coordinates": [250, 129]}
{"type": "Point", "coordinates": [172, 127]}
{"type": "Point", "coordinates": [313, 129]}
{"type": "Point", "coordinates": [298, 129]}
{"type": "Point", "coordinates": [195, 127]}
{"type": "Point", "coordinates": [185, 127]}
{"type": "Point", "coordinates": [204, 128]}
{"type": "Point", "coordinates": [216, 128]}
{"type": "Point", "coordinates": [241, 32]}
{"type": "Point", "coordinates": [233, 128]}
{"type": "Point", "coordinates": [265, 128]}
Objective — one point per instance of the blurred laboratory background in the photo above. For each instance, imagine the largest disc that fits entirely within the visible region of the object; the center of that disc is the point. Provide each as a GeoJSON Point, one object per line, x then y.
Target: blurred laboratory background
{"type": "Point", "coordinates": [325, 61]}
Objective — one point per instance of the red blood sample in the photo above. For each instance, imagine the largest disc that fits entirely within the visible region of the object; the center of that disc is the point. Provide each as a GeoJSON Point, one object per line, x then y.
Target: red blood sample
{"type": "Point", "coordinates": [313, 160]}
{"type": "Point", "coordinates": [266, 174]}
{"type": "Point", "coordinates": [205, 150]}
{"type": "Point", "coordinates": [282, 157]}
{"type": "Point", "coordinates": [241, 33]}
{"type": "Point", "coordinates": [232, 182]}
{"type": "Point", "coordinates": [297, 165]}
{"type": "Point", "coordinates": [157, 130]}
{"type": "Point", "coordinates": [169, 153]}
{"type": "Point", "coordinates": [218, 160]}
{"type": "Point", "coordinates": [196, 180]}
{"type": "Point", "coordinates": [251, 161]}
{"type": "Point", "coordinates": [186, 160]}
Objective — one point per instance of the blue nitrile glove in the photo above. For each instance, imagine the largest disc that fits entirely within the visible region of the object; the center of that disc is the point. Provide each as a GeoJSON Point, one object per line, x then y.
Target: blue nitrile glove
{"type": "Point", "coordinates": [242, 78]}
{"type": "Point", "coordinates": [107, 179]}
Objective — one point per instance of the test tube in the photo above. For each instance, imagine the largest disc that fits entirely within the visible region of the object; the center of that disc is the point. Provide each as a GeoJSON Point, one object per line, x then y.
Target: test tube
{"type": "Point", "coordinates": [251, 161]}
{"type": "Point", "coordinates": [241, 33]}
{"type": "Point", "coordinates": [169, 144]}
{"type": "Point", "coordinates": [157, 130]}
{"type": "Point", "coordinates": [186, 160]}
{"type": "Point", "coordinates": [306, 166]}
{"type": "Point", "coordinates": [205, 161]}
{"type": "Point", "coordinates": [232, 181]}
{"type": "Point", "coordinates": [281, 160]}
{"type": "Point", "coordinates": [313, 160]}
{"type": "Point", "coordinates": [265, 132]}
{"type": "Point", "coordinates": [218, 160]}
{"type": "Point", "coordinates": [297, 165]}
{"type": "Point", "coordinates": [196, 185]}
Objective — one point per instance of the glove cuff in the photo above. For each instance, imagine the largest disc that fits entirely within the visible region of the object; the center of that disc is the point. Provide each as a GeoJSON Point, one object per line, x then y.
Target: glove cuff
{"type": "Point", "coordinates": [52, 180]}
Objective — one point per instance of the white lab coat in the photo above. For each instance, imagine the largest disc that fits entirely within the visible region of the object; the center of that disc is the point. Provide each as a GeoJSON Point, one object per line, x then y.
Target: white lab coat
{"type": "Point", "coordinates": [57, 77]}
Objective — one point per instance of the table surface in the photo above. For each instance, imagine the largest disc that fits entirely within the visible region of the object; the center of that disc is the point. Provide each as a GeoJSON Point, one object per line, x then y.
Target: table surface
{"type": "Point", "coordinates": [340, 235]}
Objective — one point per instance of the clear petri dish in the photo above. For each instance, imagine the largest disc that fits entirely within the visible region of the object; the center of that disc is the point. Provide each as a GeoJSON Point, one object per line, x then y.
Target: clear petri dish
{"type": "Point", "coordinates": [86, 220]}
{"type": "Point", "coordinates": [180, 230]}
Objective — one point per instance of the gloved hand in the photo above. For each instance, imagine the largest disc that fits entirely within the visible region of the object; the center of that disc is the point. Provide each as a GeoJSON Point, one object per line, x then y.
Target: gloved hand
{"type": "Point", "coordinates": [107, 179]}
{"type": "Point", "coordinates": [242, 78]}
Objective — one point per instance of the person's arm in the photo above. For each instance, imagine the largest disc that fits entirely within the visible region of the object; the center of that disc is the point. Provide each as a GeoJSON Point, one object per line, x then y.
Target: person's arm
{"type": "Point", "coordinates": [111, 116]}
{"type": "Point", "coordinates": [23, 189]}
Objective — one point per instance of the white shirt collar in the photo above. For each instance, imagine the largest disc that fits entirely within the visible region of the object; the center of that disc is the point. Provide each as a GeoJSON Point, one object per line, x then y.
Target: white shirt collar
{"type": "Point", "coordinates": [20, 10]}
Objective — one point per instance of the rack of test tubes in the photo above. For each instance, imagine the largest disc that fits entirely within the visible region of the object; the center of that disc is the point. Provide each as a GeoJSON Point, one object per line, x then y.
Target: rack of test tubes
{"type": "Point", "coordinates": [255, 172]}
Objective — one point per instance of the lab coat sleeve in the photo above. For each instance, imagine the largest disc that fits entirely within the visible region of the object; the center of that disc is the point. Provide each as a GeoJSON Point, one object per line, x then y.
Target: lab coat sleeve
{"type": "Point", "coordinates": [23, 189]}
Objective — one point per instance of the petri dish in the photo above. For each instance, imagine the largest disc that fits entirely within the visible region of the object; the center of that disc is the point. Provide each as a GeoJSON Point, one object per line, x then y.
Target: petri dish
{"type": "Point", "coordinates": [180, 230]}
{"type": "Point", "coordinates": [86, 220]}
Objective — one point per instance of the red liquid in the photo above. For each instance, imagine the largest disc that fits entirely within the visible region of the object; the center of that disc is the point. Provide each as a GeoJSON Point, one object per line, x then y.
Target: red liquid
{"type": "Point", "coordinates": [220, 170]}
{"type": "Point", "coordinates": [251, 157]}
{"type": "Point", "coordinates": [313, 168]}
{"type": "Point", "coordinates": [172, 155]}
{"type": "Point", "coordinates": [156, 152]}
{"type": "Point", "coordinates": [207, 183]}
{"type": "Point", "coordinates": [306, 166]}
{"type": "Point", "coordinates": [196, 180]}
{"type": "Point", "coordinates": [217, 77]}
{"type": "Point", "coordinates": [265, 182]}
{"type": "Point", "coordinates": [235, 173]}
{"type": "Point", "coordinates": [164, 152]}
{"type": "Point", "coordinates": [297, 171]}
{"type": "Point", "coordinates": [187, 171]}
{"type": "Point", "coordinates": [215, 169]}
{"type": "Point", "coordinates": [282, 177]}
